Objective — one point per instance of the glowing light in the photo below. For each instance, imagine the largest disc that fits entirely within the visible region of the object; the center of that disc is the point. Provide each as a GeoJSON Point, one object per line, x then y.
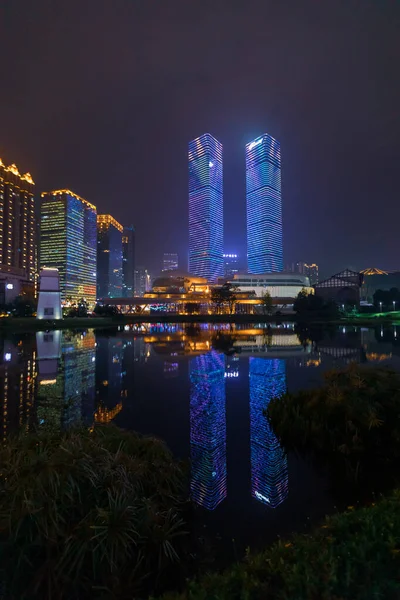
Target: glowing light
{"type": "Point", "coordinates": [210, 164]}
{"type": "Point", "coordinates": [7, 356]}
{"type": "Point", "coordinates": [205, 208]}
{"type": "Point", "coordinates": [108, 221]}
{"type": "Point", "coordinates": [264, 205]}
{"type": "Point", "coordinates": [9, 286]}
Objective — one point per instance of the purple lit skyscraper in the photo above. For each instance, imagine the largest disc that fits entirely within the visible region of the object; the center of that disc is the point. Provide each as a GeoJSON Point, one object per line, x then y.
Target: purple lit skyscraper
{"type": "Point", "coordinates": [264, 205]}
{"type": "Point", "coordinates": [206, 225]}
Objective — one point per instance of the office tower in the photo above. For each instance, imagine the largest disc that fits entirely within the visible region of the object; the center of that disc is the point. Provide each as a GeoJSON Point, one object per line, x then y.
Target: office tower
{"type": "Point", "coordinates": [142, 281]}
{"type": "Point", "coordinates": [310, 271]}
{"type": "Point", "coordinates": [231, 265]}
{"type": "Point", "coordinates": [68, 242]}
{"type": "Point", "coordinates": [109, 257]}
{"type": "Point", "coordinates": [170, 262]}
{"type": "Point", "coordinates": [264, 205]}
{"type": "Point", "coordinates": [206, 223]}
{"type": "Point", "coordinates": [269, 474]}
{"type": "Point", "coordinates": [208, 429]}
{"type": "Point", "coordinates": [128, 261]}
{"type": "Point", "coordinates": [18, 257]}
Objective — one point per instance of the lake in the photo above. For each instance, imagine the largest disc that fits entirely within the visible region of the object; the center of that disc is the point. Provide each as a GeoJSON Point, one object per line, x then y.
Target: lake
{"type": "Point", "coordinates": [201, 388]}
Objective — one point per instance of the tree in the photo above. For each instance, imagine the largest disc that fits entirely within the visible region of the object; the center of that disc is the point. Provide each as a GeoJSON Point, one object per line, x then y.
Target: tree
{"type": "Point", "coordinates": [267, 303]}
{"type": "Point", "coordinates": [80, 309]}
{"type": "Point", "coordinates": [311, 305]}
{"type": "Point", "coordinates": [106, 310]}
{"type": "Point", "coordinates": [224, 295]}
{"type": "Point", "coordinates": [23, 305]}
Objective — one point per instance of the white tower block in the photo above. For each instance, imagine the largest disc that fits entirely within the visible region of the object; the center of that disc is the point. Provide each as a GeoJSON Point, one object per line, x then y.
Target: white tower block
{"type": "Point", "coordinates": [49, 305]}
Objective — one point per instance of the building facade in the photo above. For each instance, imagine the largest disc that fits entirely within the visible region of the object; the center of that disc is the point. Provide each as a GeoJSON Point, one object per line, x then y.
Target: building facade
{"type": "Point", "coordinates": [142, 281]}
{"type": "Point", "coordinates": [231, 265]}
{"type": "Point", "coordinates": [128, 261]}
{"type": "Point", "coordinates": [264, 205]}
{"type": "Point", "coordinates": [18, 255]}
{"type": "Point", "coordinates": [206, 224]}
{"type": "Point", "coordinates": [279, 285]}
{"type": "Point", "coordinates": [68, 242]}
{"type": "Point", "coordinates": [170, 262]}
{"type": "Point", "coordinates": [109, 257]}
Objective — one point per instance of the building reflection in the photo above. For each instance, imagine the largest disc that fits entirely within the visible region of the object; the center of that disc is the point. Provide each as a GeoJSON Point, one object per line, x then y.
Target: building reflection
{"type": "Point", "coordinates": [110, 377]}
{"type": "Point", "coordinates": [208, 429]}
{"type": "Point", "coordinates": [17, 385]}
{"type": "Point", "coordinates": [66, 383]}
{"type": "Point", "coordinates": [269, 473]}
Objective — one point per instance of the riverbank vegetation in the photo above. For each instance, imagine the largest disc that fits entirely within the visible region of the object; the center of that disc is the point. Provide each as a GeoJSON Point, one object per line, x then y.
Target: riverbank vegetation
{"type": "Point", "coordinates": [353, 556]}
{"type": "Point", "coordinates": [351, 423]}
{"type": "Point", "coordinates": [90, 514]}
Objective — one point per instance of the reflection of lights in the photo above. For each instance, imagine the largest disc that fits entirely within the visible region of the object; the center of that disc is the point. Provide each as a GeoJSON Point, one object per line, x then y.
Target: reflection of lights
{"type": "Point", "coordinates": [231, 374]}
{"type": "Point", "coordinates": [269, 474]}
{"type": "Point", "coordinates": [208, 429]}
{"type": "Point", "coordinates": [376, 357]}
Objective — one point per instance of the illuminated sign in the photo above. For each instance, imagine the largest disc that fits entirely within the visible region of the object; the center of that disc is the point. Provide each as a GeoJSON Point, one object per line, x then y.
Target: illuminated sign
{"type": "Point", "coordinates": [255, 143]}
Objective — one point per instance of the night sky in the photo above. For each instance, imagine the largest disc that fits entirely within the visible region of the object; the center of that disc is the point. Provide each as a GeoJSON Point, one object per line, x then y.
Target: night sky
{"type": "Point", "coordinates": [103, 96]}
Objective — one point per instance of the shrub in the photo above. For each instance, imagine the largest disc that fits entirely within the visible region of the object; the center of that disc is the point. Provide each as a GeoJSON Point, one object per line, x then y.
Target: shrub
{"type": "Point", "coordinates": [353, 556]}
{"type": "Point", "coordinates": [354, 416]}
{"type": "Point", "coordinates": [87, 513]}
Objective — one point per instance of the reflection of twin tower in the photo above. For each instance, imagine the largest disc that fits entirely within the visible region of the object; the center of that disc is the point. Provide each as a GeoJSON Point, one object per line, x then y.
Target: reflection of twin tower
{"type": "Point", "coordinates": [269, 476]}
{"type": "Point", "coordinates": [263, 206]}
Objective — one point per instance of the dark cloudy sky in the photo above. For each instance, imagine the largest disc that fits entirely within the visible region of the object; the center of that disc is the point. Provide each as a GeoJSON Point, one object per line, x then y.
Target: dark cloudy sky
{"type": "Point", "coordinates": [102, 96]}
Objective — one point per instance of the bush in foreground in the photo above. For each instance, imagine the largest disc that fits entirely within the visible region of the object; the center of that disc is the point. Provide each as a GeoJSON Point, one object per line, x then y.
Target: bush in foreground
{"type": "Point", "coordinates": [353, 556]}
{"type": "Point", "coordinates": [89, 514]}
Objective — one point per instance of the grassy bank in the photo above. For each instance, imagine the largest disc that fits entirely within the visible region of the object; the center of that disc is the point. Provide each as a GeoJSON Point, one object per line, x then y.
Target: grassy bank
{"type": "Point", "coordinates": [353, 556]}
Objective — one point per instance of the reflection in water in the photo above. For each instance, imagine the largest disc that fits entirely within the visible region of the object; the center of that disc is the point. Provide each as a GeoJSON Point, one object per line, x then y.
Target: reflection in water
{"type": "Point", "coordinates": [17, 385]}
{"type": "Point", "coordinates": [66, 386]}
{"type": "Point", "coordinates": [208, 429]}
{"type": "Point", "coordinates": [269, 475]}
{"type": "Point", "coordinates": [110, 378]}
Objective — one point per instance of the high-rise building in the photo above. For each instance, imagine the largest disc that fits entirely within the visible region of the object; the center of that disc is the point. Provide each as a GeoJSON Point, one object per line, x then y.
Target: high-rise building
{"type": "Point", "coordinates": [231, 265]}
{"type": "Point", "coordinates": [206, 222]}
{"type": "Point", "coordinates": [142, 281]}
{"type": "Point", "coordinates": [170, 262]}
{"type": "Point", "coordinates": [128, 261]}
{"type": "Point", "coordinates": [269, 471]}
{"type": "Point", "coordinates": [18, 256]}
{"type": "Point", "coordinates": [208, 429]}
{"type": "Point", "coordinates": [310, 271]}
{"type": "Point", "coordinates": [68, 242]}
{"type": "Point", "coordinates": [264, 205]}
{"type": "Point", "coordinates": [109, 257]}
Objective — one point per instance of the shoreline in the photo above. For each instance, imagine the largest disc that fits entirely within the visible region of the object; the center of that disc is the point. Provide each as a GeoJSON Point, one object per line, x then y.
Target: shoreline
{"type": "Point", "coordinates": [26, 324]}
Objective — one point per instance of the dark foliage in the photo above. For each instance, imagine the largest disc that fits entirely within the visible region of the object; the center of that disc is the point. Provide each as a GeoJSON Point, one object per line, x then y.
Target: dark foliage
{"type": "Point", "coordinates": [105, 310]}
{"type": "Point", "coordinates": [387, 298]}
{"type": "Point", "coordinates": [352, 421]}
{"type": "Point", "coordinates": [313, 306]}
{"type": "Point", "coordinates": [89, 514]}
{"type": "Point", "coordinates": [353, 556]}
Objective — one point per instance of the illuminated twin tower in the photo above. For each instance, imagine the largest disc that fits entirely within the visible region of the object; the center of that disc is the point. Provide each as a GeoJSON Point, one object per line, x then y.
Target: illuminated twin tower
{"type": "Point", "coordinates": [263, 199]}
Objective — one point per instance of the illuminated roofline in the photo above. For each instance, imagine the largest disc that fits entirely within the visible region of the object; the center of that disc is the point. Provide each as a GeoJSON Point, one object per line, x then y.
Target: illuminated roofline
{"type": "Point", "coordinates": [14, 170]}
{"type": "Point", "coordinates": [109, 220]}
{"type": "Point", "coordinates": [69, 193]}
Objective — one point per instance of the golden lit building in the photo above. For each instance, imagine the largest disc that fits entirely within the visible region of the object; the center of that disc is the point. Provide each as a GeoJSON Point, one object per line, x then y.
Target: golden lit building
{"type": "Point", "coordinates": [68, 242]}
{"type": "Point", "coordinates": [18, 263]}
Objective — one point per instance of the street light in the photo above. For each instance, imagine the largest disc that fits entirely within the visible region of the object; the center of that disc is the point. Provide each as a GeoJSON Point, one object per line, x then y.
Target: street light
{"type": "Point", "coordinates": [394, 304]}
{"type": "Point", "coordinates": [380, 304]}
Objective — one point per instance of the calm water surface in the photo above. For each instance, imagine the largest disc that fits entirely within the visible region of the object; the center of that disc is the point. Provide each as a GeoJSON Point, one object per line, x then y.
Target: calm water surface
{"type": "Point", "coordinates": [204, 397]}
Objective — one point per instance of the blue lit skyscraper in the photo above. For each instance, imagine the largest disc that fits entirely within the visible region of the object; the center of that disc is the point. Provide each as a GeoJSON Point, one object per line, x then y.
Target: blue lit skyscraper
{"type": "Point", "coordinates": [206, 224]}
{"type": "Point", "coordinates": [208, 429]}
{"type": "Point", "coordinates": [269, 474]}
{"type": "Point", "coordinates": [264, 205]}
